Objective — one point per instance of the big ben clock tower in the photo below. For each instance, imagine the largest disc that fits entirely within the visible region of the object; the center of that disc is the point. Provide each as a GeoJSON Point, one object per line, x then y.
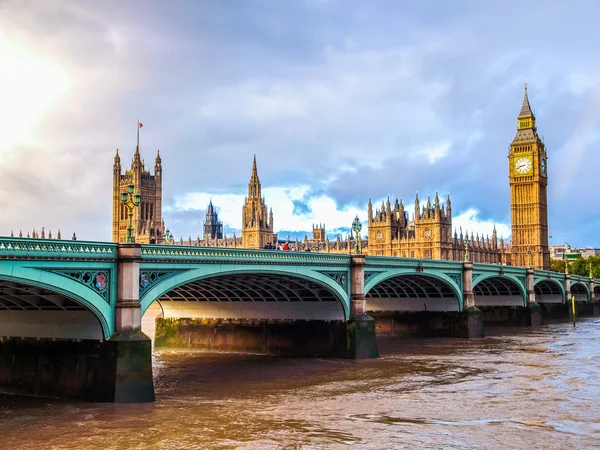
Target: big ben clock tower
{"type": "Point", "coordinates": [528, 174]}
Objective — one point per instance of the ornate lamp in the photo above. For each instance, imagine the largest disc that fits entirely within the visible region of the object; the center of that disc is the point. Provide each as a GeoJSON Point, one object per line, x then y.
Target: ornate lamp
{"type": "Point", "coordinates": [167, 237]}
{"type": "Point", "coordinates": [356, 227]}
{"type": "Point", "coordinates": [467, 248]}
{"type": "Point", "coordinates": [131, 201]}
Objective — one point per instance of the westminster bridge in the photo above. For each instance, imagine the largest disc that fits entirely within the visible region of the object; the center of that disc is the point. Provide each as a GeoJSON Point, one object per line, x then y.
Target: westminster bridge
{"type": "Point", "coordinates": [72, 312]}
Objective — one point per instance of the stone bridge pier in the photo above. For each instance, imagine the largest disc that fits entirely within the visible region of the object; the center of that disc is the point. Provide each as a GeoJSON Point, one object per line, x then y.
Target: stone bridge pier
{"type": "Point", "coordinates": [362, 339]}
{"type": "Point", "coordinates": [131, 348]}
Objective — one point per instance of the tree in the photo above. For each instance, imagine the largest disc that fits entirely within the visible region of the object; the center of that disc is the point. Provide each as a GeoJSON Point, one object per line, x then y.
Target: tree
{"type": "Point", "coordinates": [557, 265]}
{"type": "Point", "coordinates": [579, 266]}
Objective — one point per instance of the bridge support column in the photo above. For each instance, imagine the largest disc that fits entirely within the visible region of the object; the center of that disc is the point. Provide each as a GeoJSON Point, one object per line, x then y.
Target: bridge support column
{"type": "Point", "coordinates": [361, 335]}
{"type": "Point", "coordinates": [472, 318]}
{"type": "Point", "coordinates": [535, 310]}
{"type": "Point", "coordinates": [130, 350]}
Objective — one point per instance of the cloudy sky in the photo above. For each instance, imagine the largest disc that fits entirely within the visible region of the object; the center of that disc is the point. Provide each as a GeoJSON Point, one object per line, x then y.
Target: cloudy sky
{"type": "Point", "coordinates": [341, 101]}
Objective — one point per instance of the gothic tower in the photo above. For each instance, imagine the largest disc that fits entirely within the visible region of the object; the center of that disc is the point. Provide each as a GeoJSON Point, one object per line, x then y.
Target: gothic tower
{"type": "Point", "coordinates": [213, 227]}
{"type": "Point", "coordinates": [433, 229]}
{"type": "Point", "coordinates": [528, 174]}
{"type": "Point", "coordinates": [147, 217]}
{"type": "Point", "coordinates": [257, 228]}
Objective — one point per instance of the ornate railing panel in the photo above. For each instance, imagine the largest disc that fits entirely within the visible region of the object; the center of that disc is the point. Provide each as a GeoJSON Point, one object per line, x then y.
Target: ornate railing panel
{"type": "Point", "coordinates": [27, 248]}
{"type": "Point", "coordinates": [212, 254]}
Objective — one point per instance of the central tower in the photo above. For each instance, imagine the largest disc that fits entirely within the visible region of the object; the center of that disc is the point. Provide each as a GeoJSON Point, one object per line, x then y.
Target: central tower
{"type": "Point", "coordinates": [528, 174]}
{"type": "Point", "coordinates": [257, 228]}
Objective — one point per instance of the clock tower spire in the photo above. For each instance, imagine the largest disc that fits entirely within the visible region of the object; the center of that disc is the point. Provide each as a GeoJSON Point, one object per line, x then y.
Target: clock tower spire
{"type": "Point", "coordinates": [528, 175]}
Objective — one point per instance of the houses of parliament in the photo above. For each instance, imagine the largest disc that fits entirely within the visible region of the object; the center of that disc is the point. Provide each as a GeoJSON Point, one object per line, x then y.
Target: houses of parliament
{"type": "Point", "coordinates": [392, 230]}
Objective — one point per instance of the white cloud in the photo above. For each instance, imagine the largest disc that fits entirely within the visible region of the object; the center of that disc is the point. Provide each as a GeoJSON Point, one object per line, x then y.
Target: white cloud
{"type": "Point", "coordinates": [280, 199]}
{"type": "Point", "coordinates": [469, 221]}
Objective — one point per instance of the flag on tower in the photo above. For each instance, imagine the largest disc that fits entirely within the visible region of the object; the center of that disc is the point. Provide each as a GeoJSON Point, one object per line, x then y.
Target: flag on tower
{"type": "Point", "coordinates": [550, 235]}
{"type": "Point", "coordinates": [140, 125]}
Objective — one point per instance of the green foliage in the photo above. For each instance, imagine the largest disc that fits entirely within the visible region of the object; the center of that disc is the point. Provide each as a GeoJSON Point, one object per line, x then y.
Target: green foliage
{"type": "Point", "coordinates": [579, 266]}
{"type": "Point", "coordinates": [557, 265]}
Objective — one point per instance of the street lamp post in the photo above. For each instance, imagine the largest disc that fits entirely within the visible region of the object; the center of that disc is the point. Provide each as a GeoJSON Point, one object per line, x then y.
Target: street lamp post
{"type": "Point", "coordinates": [167, 237]}
{"type": "Point", "coordinates": [131, 201]}
{"type": "Point", "coordinates": [356, 227]}
{"type": "Point", "coordinates": [529, 259]}
{"type": "Point", "coordinates": [467, 248]}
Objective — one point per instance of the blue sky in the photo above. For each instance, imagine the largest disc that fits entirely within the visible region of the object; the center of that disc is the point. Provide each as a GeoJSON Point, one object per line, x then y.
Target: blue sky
{"type": "Point", "coordinates": [341, 101]}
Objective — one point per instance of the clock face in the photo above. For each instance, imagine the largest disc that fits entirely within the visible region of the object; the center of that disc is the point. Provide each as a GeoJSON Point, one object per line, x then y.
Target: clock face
{"type": "Point", "coordinates": [543, 166]}
{"type": "Point", "coordinates": [427, 233]}
{"type": "Point", "coordinates": [379, 236]}
{"type": "Point", "coordinates": [523, 165]}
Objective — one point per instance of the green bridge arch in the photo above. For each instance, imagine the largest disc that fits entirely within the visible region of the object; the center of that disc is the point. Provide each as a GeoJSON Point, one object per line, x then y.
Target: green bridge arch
{"type": "Point", "coordinates": [195, 272]}
{"type": "Point", "coordinates": [554, 281]}
{"type": "Point", "coordinates": [102, 309]}
{"type": "Point", "coordinates": [388, 273]}
{"type": "Point", "coordinates": [499, 275]}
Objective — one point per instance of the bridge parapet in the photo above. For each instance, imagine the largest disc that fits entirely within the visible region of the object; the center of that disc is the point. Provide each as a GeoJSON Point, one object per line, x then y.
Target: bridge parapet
{"type": "Point", "coordinates": [211, 254]}
{"type": "Point", "coordinates": [27, 248]}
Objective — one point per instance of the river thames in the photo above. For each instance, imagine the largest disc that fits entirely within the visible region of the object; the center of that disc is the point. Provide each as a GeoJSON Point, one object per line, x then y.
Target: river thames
{"type": "Point", "coordinates": [518, 388]}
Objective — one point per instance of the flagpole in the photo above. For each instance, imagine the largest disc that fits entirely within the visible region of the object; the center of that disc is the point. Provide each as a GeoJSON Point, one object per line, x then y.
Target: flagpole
{"type": "Point", "coordinates": [138, 134]}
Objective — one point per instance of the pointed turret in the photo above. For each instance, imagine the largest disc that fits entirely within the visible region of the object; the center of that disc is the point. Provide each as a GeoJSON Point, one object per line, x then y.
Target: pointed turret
{"type": "Point", "coordinates": [157, 164]}
{"type": "Point", "coordinates": [526, 120]}
{"type": "Point", "coordinates": [417, 206]}
{"type": "Point", "coordinates": [254, 185]}
{"type": "Point", "coordinates": [526, 108]}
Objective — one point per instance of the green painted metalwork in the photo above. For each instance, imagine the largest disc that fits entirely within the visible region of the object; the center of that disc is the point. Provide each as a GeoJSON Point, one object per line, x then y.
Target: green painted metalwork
{"type": "Point", "coordinates": [98, 280]}
{"type": "Point", "coordinates": [557, 280]}
{"type": "Point", "coordinates": [389, 267]}
{"type": "Point", "coordinates": [340, 277]}
{"type": "Point", "coordinates": [583, 283]}
{"type": "Point", "coordinates": [26, 248]}
{"type": "Point", "coordinates": [148, 278]}
{"type": "Point", "coordinates": [518, 275]}
{"type": "Point", "coordinates": [71, 268]}
{"type": "Point", "coordinates": [210, 254]}
{"type": "Point", "coordinates": [44, 274]}
{"type": "Point", "coordinates": [370, 274]}
{"type": "Point", "coordinates": [195, 271]}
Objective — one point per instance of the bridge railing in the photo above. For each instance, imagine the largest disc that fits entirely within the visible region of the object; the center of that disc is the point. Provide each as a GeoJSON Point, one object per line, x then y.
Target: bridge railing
{"type": "Point", "coordinates": [28, 248]}
{"type": "Point", "coordinates": [550, 274]}
{"type": "Point", "coordinates": [154, 252]}
{"type": "Point", "coordinates": [413, 262]}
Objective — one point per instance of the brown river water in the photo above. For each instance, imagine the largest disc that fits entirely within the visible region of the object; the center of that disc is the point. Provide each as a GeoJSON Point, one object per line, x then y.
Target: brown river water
{"type": "Point", "coordinates": [519, 388]}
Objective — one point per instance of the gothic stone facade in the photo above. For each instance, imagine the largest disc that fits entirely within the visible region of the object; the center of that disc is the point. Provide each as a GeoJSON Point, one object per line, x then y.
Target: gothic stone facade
{"type": "Point", "coordinates": [391, 231]}
{"type": "Point", "coordinates": [528, 174]}
{"type": "Point", "coordinates": [147, 217]}
{"type": "Point", "coordinates": [257, 227]}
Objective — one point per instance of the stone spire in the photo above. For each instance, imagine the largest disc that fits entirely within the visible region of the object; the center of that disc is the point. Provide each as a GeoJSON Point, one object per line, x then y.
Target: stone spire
{"type": "Point", "coordinates": [254, 185]}
{"type": "Point", "coordinates": [526, 108]}
{"type": "Point", "coordinates": [526, 121]}
{"type": "Point", "coordinates": [157, 163]}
